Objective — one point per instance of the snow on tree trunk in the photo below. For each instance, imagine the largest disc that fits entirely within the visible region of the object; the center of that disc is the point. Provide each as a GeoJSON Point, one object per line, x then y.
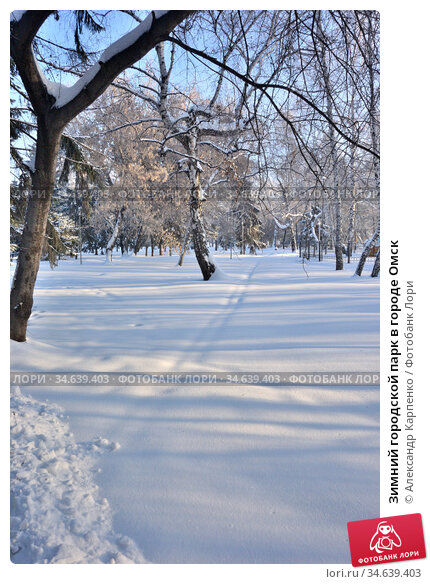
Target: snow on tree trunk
{"type": "Point", "coordinates": [366, 251]}
{"type": "Point", "coordinates": [293, 238]}
{"type": "Point", "coordinates": [111, 242]}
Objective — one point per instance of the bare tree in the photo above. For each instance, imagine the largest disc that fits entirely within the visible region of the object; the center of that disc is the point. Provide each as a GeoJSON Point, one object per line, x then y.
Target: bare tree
{"type": "Point", "coordinates": [206, 131]}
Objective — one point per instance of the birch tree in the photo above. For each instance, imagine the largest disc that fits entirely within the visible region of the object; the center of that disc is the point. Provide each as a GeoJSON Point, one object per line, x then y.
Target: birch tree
{"type": "Point", "coordinates": [205, 128]}
{"type": "Point", "coordinates": [369, 32]}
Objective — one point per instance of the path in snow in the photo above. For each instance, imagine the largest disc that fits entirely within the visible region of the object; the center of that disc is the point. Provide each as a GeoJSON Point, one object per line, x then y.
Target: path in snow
{"type": "Point", "coordinates": [219, 473]}
{"type": "Point", "coordinates": [57, 514]}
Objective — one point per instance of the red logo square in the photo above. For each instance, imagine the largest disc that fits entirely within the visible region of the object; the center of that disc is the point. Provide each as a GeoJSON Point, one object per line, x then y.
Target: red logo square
{"type": "Point", "coordinates": [387, 539]}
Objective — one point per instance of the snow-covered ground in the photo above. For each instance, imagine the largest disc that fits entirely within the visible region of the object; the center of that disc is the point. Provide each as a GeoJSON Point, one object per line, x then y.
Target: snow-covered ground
{"type": "Point", "coordinates": [57, 515]}
{"type": "Point", "coordinates": [226, 473]}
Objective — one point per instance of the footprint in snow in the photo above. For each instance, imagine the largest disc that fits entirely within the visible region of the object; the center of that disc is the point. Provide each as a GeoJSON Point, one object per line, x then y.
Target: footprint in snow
{"type": "Point", "coordinates": [96, 292]}
{"type": "Point", "coordinates": [102, 444]}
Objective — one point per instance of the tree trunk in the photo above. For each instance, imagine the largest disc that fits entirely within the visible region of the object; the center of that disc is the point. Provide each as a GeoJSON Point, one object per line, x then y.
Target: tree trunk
{"type": "Point", "coordinates": [351, 228]}
{"type": "Point", "coordinates": [375, 271]}
{"type": "Point", "coordinates": [201, 248]}
{"type": "Point", "coordinates": [139, 241]}
{"type": "Point", "coordinates": [184, 246]}
{"type": "Point", "coordinates": [319, 243]}
{"type": "Point", "coordinates": [366, 251]}
{"type": "Point", "coordinates": [122, 244]}
{"type": "Point", "coordinates": [36, 217]}
{"type": "Point", "coordinates": [338, 235]}
{"type": "Point", "coordinates": [111, 242]}
{"type": "Point", "coordinates": [284, 238]}
{"type": "Point", "coordinates": [275, 236]}
{"type": "Point", "coordinates": [333, 151]}
{"type": "Point", "coordinates": [293, 239]}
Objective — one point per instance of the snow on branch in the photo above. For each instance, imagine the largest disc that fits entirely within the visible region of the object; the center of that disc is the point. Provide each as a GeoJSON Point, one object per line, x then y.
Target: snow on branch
{"type": "Point", "coordinates": [64, 94]}
{"type": "Point", "coordinates": [131, 37]}
{"type": "Point", "coordinates": [288, 216]}
{"type": "Point", "coordinates": [184, 155]}
{"type": "Point", "coordinates": [16, 15]}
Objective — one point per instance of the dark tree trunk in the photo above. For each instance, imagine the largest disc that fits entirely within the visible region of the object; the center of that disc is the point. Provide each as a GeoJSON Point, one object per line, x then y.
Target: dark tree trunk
{"type": "Point", "coordinates": [375, 271]}
{"type": "Point", "coordinates": [201, 248]}
{"type": "Point", "coordinates": [36, 217]}
{"type": "Point", "coordinates": [339, 256]}
{"type": "Point", "coordinates": [352, 211]}
{"type": "Point", "coordinates": [338, 240]}
{"type": "Point", "coordinates": [139, 241]}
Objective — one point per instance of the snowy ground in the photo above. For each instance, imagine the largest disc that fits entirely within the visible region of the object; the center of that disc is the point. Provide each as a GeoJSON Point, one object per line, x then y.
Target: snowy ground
{"type": "Point", "coordinates": [57, 515]}
{"type": "Point", "coordinates": [218, 474]}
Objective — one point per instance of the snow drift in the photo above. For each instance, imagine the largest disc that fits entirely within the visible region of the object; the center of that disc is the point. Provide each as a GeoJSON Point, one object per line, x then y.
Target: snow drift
{"type": "Point", "coordinates": [57, 513]}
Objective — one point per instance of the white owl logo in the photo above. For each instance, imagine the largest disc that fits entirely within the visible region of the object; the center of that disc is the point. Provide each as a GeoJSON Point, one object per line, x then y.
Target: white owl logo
{"type": "Point", "coordinates": [385, 538]}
